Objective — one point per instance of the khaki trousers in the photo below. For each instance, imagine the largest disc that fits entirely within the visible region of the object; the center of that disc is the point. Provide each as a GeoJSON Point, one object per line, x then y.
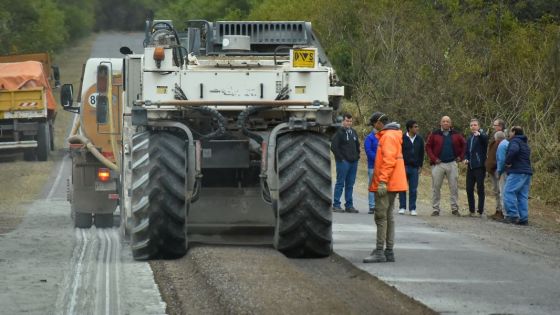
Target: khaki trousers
{"type": "Point", "coordinates": [384, 220]}
{"type": "Point", "coordinates": [502, 183]}
{"type": "Point", "coordinates": [495, 179]}
{"type": "Point", "coordinates": [439, 172]}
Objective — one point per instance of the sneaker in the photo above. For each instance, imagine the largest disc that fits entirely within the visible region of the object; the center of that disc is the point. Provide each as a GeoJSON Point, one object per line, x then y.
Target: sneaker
{"type": "Point", "coordinates": [389, 255]}
{"type": "Point", "coordinates": [472, 214]}
{"type": "Point", "coordinates": [435, 213]}
{"type": "Point", "coordinates": [376, 256]}
{"type": "Point", "coordinates": [523, 223]}
{"type": "Point", "coordinates": [337, 209]}
{"type": "Point", "coordinates": [456, 212]}
{"type": "Point", "coordinates": [371, 211]}
{"type": "Point", "coordinates": [351, 210]}
{"type": "Point", "coordinates": [402, 211]}
{"type": "Point", "coordinates": [413, 213]}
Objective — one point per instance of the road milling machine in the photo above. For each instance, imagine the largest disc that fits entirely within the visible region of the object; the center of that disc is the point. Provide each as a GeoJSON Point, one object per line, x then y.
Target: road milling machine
{"type": "Point", "coordinates": [223, 137]}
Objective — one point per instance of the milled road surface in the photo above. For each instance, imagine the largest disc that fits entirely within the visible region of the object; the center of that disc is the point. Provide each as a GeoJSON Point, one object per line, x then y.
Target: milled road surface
{"type": "Point", "coordinates": [257, 280]}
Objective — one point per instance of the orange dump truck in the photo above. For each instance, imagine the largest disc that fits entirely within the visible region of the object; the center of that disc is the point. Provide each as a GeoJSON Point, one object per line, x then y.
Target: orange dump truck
{"type": "Point", "coordinates": [27, 105]}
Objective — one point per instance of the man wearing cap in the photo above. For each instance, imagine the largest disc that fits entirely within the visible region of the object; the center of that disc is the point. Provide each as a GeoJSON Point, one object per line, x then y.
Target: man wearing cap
{"type": "Point", "coordinates": [389, 178]}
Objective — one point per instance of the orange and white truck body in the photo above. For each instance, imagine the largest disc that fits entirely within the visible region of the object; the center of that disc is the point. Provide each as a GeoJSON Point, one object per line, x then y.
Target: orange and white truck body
{"type": "Point", "coordinates": [92, 188]}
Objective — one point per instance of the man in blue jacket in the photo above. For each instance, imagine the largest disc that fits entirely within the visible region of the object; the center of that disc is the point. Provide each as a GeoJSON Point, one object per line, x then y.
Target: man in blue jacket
{"type": "Point", "coordinates": [518, 181]}
{"type": "Point", "coordinates": [413, 155]}
{"type": "Point", "coordinates": [475, 158]}
{"type": "Point", "coordinates": [370, 145]}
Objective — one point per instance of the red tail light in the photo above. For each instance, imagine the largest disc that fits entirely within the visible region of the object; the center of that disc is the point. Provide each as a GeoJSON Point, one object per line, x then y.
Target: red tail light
{"type": "Point", "coordinates": [103, 174]}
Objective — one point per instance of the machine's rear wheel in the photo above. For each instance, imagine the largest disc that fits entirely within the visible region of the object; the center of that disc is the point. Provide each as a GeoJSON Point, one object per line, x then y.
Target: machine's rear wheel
{"type": "Point", "coordinates": [158, 198]}
{"type": "Point", "coordinates": [304, 222]}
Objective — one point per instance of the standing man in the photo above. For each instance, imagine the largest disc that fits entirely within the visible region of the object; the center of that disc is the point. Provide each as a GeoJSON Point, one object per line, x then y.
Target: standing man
{"type": "Point", "coordinates": [346, 148]}
{"type": "Point", "coordinates": [519, 172]}
{"type": "Point", "coordinates": [413, 154]}
{"type": "Point", "coordinates": [370, 145]}
{"type": "Point", "coordinates": [500, 137]}
{"type": "Point", "coordinates": [475, 158]}
{"type": "Point", "coordinates": [445, 147]}
{"type": "Point", "coordinates": [389, 178]}
{"type": "Point", "coordinates": [491, 167]}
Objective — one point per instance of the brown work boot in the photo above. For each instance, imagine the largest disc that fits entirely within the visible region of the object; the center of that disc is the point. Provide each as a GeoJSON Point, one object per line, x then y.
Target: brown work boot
{"type": "Point", "coordinates": [499, 215]}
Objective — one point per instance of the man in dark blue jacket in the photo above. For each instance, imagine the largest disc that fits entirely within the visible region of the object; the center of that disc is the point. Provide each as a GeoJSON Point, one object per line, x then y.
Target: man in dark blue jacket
{"type": "Point", "coordinates": [475, 158]}
{"type": "Point", "coordinates": [345, 146]}
{"type": "Point", "coordinates": [413, 155]}
{"type": "Point", "coordinates": [519, 172]}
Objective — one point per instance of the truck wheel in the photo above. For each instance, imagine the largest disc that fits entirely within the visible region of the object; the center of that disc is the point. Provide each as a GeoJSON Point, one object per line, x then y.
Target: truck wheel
{"type": "Point", "coordinates": [158, 196]}
{"type": "Point", "coordinates": [30, 154]}
{"type": "Point", "coordinates": [304, 221]}
{"type": "Point", "coordinates": [51, 135]}
{"type": "Point", "coordinates": [104, 220]}
{"type": "Point", "coordinates": [82, 220]}
{"type": "Point", "coordinates": [43, 141]}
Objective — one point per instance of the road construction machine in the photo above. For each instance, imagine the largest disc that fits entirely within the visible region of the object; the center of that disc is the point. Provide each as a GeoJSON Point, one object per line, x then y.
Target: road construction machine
{"type": "Point", "coordinates": [224, 137]}
{"type": "Point", "coordinates": [27, 105]}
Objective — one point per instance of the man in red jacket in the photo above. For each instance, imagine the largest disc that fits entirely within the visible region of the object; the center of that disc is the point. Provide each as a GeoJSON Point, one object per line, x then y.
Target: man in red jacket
{"type": "Point", "coordinates": [445, 147]}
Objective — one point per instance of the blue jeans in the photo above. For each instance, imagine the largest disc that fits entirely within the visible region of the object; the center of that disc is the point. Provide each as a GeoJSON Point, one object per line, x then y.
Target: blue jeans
{"type": "Point", "coordinates": [345, 178]}
{"type": "Point", "coordinates": [371, 196]}
{"type": "Point", "coordinates": [412, 174]}
{"type": "Point", "coordinates": [516, 196]}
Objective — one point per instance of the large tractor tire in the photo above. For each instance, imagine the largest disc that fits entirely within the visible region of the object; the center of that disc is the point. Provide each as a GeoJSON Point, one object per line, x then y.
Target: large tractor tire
{"type": "Point", "coordinates": [43, 141]}
{"type": "Point", "coordinates": [158, 196]}
{"type": "Point", "coordinates": [304, 220]}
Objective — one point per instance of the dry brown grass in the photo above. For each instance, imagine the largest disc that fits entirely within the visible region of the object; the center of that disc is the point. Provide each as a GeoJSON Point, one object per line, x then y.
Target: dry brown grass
{"type": "Point", "coordinates": [22, 182]}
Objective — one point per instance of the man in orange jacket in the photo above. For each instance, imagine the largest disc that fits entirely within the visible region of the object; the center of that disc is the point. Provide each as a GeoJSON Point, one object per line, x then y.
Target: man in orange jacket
{"type": "Point", "coordinates": [389, 178]}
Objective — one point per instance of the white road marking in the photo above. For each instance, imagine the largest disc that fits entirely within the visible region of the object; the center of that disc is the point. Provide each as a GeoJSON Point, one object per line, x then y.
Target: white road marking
{"type": "Point", "coordinates": [117, 249]}
{"type": "Point", "coordinates": [438, 280]}
{"type": "Point", "coordinates": [59, 173]}
{"type": "Point", "coordinates": [100, 279]}
{"type": "Point", "coordinates": [58, 177]}
{"type": "Point", "coordinates": [107, 269]}
{"type": "Point", "coordinates": [82, 240]}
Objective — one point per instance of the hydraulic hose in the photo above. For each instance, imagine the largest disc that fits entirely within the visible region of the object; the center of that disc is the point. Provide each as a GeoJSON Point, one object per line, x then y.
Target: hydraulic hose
{"type": "Point", "coordinates": [78, 139]}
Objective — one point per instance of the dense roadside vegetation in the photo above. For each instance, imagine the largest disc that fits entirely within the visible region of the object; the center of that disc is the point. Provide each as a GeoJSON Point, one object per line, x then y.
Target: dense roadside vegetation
{"type": "Point", "coordinates": [411, 59]}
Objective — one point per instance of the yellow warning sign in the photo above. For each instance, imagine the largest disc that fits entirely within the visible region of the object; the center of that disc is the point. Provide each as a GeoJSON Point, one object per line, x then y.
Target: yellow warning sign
{"type": "Point", "coordinates": [303, 58]}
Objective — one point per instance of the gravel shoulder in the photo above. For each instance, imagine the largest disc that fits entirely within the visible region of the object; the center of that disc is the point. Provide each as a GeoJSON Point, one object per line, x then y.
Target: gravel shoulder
{"type": "Point", "coordinates": [259, 280]}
